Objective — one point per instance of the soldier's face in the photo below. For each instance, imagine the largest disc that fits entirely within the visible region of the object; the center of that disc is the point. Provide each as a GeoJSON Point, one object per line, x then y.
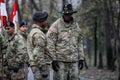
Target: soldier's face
{"type": "Point", "coordinates": [23, 28]}
{"type": "Point", "coordinates": [67, 17]}
{"type": "Point", "coordinates": [43, 24]}
{"type": "Point", "coordinates": [10, 30]}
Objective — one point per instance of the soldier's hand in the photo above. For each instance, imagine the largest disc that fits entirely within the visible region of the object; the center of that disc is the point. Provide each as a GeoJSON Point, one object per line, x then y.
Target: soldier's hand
{"type": "Point", "coordinates": [55, 66]}
{"type": "Point", "coordinates": [80, 64]}
{"type": "Point", "coordinates": [5, 63]}
{"type": "Point", "coordinates": [21, 64]}
{"type": "Point", "coordinates": [16, 68]}
{"type": "Point", "coordinates": [44, 73]}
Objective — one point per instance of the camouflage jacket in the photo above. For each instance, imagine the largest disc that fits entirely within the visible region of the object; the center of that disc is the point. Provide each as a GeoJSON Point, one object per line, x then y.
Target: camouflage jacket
{"type": "Point", "coordinates": [3, 46]}
{"type": "Point", "coordinates": [36, 46]}
{"type": "Point", "coordinates": [16, 50]}
{"type": "Point", "coordinates": [24, 34]}
{"type": "Point", "coordinates": [64, 41]}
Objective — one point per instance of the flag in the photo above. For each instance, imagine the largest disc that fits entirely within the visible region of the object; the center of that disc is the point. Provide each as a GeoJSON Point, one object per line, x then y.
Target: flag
{"type": "Point", "coordinates": [14, 15]}
{"type": "Point", "coordinates": [3, 14]}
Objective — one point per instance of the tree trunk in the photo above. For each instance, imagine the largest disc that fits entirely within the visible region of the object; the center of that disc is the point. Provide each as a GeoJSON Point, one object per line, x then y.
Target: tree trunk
{"type": "Point", "coordinates": [19, 15]}
{"type": "Point", "coordinates": [7, 8]}
{"type": "Point", "coordinates": [95, 42]}
{"type": "Point", "coordinates": [100, 41]}
{"type": "Point", "coordinates": [109, 54]}
{"type": "Point", "coordinates": [118, 38]}
{"type": "Point", "coordinates": [100, 66]}
{"type": "Point", "coordinates": [109, 25]}
{"type": "Point", "coordinates": [35, 5]}
{"type": "Point", "coordinates": [89, 51]}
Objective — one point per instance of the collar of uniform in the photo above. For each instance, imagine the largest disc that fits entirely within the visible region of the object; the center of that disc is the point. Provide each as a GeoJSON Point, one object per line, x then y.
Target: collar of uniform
{"type": "Point", "coordinates": [36, 26]}
{"type": "Point", "coordinates": [11, 37]}
{"type": "Point", "coordinates": [21, 32]}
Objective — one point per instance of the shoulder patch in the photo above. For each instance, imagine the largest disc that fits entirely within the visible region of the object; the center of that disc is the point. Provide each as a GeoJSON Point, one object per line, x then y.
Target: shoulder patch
{"type": "Point", "coordinates": [38, 35]}
{"type": "Point", "coordinates": [53, 30]}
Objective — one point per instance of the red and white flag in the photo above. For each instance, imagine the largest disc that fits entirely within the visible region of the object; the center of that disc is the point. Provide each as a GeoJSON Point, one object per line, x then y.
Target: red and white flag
{"type": "Point", "coordinates": [3, 14]}
{"type": "Point", "coordinates": [14, 15]}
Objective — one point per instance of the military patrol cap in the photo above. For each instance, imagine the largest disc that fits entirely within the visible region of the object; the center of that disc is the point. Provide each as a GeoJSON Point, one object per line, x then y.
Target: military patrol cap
{"type": "Point", "coordinates": [9, 24]}
{"type": "Point", "coordinates": [23, 23]}
{"type": "Point", "coordinates": [67, 9]}
{"type": "Point", "coordinates": [40, 16]}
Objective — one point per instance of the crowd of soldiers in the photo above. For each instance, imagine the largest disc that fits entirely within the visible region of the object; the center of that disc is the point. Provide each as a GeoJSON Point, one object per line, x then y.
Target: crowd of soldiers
{"type": "Point", "coordinates": [59, 49]}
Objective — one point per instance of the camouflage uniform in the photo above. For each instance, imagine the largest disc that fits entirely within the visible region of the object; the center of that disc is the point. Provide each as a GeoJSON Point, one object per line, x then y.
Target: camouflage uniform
{"type": "Point", "coordinates": [36, 48]}
{"type": "Point", "coordinates": [2, 51]}
{"type": "Point", "coordinates": [24, 35]}
{"type": "Point", "coordinates": [16, 55]}
{"type": "Point", "coordinates": [64, 45]}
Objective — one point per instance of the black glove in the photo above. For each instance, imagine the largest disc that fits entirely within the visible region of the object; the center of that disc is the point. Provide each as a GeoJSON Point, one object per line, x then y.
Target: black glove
{"type": "Point", "coordinates": [21, 65]}
{"type": "Point", "coordinates": [5, 63]}
{"type": "Point", "coordinates": [55, 66]}
{"type": "Point", "coordinates": [44, 73]}
{"type": "Point", "coordinates": [16, 68]}
{"type": "Point", "coordinates": [80, 64]}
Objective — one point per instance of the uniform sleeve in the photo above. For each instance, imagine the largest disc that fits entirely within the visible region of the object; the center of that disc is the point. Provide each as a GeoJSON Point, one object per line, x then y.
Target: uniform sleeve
{"type": "Point", "coordinates": [80, 45]}
{"type": "Point", "coordinates": [3, 44]}
{"type": "Point", "coordinates": [51, 41]}
{"type": "Point", "coordinates": [29, 50]}
{"type": "Point", "coordinates": [81, 52]}
{"type": "Point", "coordinates": [38, 52]}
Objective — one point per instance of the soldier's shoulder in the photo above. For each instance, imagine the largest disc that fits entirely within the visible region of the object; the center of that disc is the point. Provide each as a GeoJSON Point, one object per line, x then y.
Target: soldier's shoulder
{"type": "Point", "coordinates": [56, 22]}
{"type": "Point", "coordinates": [54, 26]}
{"type": "Point", "coordinates": [18, 36]}
{"type": "Point", "coordinates": [35, 30]}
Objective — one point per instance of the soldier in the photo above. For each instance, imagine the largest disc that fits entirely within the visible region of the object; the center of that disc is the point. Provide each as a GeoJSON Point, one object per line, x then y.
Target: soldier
{"type": "Point", "coordinates": [3, 47]}
{"type": "Point", "coordinates": [36, 43]}
{"type": "Point", "coordinates": [23, 32]}
{"type": "Point", "coordinates": [16, 55]}
{"type": "Point", "coordinates": [23, 29]}
{"type": "Point", "coordinates": [64, 43]}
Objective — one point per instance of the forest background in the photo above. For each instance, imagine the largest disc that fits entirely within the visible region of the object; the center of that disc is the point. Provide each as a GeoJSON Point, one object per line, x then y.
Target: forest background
{"type": "Point", "coordinates": [98, 19]}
